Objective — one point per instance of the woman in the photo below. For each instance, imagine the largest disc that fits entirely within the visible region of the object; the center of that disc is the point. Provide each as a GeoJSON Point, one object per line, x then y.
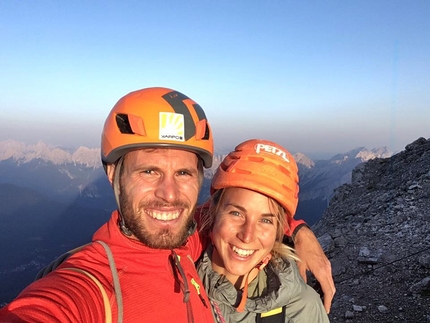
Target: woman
{"type": "Point", "coordinates": [249, 275]}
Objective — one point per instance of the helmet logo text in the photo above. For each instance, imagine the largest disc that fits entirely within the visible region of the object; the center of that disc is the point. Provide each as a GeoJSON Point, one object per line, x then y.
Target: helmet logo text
{"type": "Point", "coordinates": [171, 126]}
{"type": "Point", "coordinates": [272, 150]}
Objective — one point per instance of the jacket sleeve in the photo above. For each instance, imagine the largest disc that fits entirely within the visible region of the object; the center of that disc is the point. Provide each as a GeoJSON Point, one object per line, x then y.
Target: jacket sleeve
{"type": "Point", "coordinates": [294, 226]}
{"type": "Point", "coordinates": [304, 303]}
{"type": "Point", "coordinates": [61, 296]}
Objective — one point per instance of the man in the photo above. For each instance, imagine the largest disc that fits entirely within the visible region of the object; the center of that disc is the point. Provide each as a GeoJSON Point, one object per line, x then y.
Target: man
{"type": "Point", "coordinates": [140, 266]}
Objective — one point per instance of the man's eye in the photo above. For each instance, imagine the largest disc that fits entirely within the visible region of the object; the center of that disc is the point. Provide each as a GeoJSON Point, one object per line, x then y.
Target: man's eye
{"type": "Point", "coordinates": [183, 173]}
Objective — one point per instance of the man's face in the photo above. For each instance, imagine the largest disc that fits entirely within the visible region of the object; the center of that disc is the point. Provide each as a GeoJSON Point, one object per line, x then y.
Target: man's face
{"type": "Point", "coordinates": [158, 194]}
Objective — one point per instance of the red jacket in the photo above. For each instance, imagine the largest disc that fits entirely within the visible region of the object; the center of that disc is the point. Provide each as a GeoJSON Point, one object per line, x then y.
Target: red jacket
{"type": "Point", "coordinates": [150, 291]}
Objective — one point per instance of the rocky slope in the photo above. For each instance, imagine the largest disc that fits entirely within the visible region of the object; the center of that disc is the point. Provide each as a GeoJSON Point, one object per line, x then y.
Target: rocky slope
{"type": "Point", "coordinates": [376, 232]}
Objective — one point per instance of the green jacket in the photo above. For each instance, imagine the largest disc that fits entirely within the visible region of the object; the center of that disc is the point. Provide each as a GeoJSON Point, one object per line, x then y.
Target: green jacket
{"type": "Point", "coordinates": [275, 287]}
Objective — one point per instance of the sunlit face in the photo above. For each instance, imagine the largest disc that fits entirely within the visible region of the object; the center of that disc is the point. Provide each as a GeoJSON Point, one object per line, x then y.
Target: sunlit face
{"type": "Point", "coordinates": [244, 232]}
{"type": "Point", "coordinates": [158, 194]}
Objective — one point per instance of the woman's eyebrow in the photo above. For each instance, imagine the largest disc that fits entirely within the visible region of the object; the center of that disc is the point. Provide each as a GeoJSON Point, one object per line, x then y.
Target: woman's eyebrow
{"type": "Point", "coordinates": [237, 206]}
{"type": "Point", "coordinates": [271, 215]}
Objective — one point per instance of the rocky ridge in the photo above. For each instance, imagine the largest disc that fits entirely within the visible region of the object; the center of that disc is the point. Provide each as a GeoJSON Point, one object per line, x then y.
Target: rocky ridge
{"type": "Point", "coordinates": [376, 233]}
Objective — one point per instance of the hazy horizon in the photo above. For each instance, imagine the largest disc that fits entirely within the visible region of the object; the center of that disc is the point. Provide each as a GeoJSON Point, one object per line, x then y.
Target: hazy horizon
{"type": "Point", "coordinates": [219, 150]}
{"type": "Point", "coordinates": [320, 78]}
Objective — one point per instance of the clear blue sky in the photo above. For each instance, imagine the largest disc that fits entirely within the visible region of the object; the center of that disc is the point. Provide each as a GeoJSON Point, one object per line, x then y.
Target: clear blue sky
{"type": "Point", "coordinates": [319, 77]}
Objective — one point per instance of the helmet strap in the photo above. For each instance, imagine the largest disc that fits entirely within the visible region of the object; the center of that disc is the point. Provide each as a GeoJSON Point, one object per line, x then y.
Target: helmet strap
{"type": "Point", "coordinates": [241, 307]}
{"type": "Point", "coordinates": [116, 190]}
{"type": "Point", "coordinates": [192, 228]}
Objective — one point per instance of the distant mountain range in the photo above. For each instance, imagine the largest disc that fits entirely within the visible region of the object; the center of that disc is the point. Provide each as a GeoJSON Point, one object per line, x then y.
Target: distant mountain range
{"type": "Point", "coordinates": [78, 176]}
{"type": "Point", "coordinates": [52, 200]}
{"type": "Point", "coordinates": [319, 178]}
{"type": "Point", "coordinates": [23, 153]}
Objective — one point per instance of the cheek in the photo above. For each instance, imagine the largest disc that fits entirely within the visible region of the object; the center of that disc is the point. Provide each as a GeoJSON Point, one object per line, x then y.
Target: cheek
{"type": "Point", "coordinates": [268, 238]}
{"type": "Point", "coordinates": [215, 235]}
{"type": "Point", "coordinates": [136, 193]}
{"type": "Point", "coordinates": [223, 230]}
{"type": "Point", "coordinates": [190, 190]}
{"type": "Point", "coordinates": [219, 233]}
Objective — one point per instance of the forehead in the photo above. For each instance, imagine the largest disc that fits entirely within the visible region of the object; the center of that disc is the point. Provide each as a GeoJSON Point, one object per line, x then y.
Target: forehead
{"type": "Point", "coordinates": [161, 156]}
{"type": "Point", "coordinates": [246, 198]}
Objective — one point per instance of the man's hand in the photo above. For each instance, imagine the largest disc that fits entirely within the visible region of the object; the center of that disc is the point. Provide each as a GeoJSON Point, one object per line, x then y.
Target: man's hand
{"type": "Point", "coordinates": [312, 258]}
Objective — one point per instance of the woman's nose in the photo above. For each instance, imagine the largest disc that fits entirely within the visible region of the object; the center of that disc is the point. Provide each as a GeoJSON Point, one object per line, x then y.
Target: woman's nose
{"type": "Point", "coordinates": [247, 232]}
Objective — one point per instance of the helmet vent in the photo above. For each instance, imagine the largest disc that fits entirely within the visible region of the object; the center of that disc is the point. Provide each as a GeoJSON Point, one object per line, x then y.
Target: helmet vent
{"type": "Point", "coordinates": [123, 124]}
{"type": "Point", "coordinates": [207, 133]}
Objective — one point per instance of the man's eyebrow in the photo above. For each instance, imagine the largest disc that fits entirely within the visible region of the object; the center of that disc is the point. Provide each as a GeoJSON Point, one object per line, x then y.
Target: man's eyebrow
{"type": "Point", "coordinates": [148, 166]}
{"type": "Point", "coordinates": [190, 170]}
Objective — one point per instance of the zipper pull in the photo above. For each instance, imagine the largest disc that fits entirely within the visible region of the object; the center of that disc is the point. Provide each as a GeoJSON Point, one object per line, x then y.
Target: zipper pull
{"type": "Point", "coordinates": [197, 286]}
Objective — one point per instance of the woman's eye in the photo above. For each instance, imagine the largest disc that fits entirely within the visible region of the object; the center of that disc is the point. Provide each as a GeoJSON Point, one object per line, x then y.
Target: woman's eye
{"type": "Point", "coordinates": [267, 220]}
{"type": "Point", "coordinates": [235, 213]}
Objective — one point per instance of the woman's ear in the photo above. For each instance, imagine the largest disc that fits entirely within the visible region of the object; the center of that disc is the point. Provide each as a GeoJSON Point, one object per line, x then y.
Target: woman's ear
{"type": "Point", "coordinates": [264, 262]}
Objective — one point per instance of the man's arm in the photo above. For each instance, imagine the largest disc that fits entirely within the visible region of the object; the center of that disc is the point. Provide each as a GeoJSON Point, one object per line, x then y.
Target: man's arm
{"type": "Point", "coordinates": [62, 296]}
{"type": "Point", "coordinates": [312, 258]}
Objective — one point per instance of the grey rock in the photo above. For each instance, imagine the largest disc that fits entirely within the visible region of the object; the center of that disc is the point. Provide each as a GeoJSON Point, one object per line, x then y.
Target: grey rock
{"type": "Point", "coordinates": [424, 260]}
{"type": "Point", "coordinates": [349, 315]}
{"type": "Point", "coordinates": [376, 233]}
{"type": "Point", "coordinates": [382, 309]}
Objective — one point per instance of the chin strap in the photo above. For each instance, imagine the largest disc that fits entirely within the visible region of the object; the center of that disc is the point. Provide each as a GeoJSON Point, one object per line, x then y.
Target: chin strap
{"type": "Point", "coordinates": [116, 190]}
{"type": "Point", "coordinates": [240, 308]}
{"type": "Point", "coordinates": [192, 228]}
{"type": "Point", "coordinates": [260, 266]}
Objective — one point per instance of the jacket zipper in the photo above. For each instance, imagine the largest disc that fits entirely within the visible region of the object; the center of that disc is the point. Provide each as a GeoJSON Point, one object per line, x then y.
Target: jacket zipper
{"type": "Point", "coordinates": [197, 286]}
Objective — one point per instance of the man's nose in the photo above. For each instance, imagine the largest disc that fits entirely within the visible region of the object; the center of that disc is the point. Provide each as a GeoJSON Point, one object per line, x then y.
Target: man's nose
{"type": "Point", "coordinates": [167, 189]}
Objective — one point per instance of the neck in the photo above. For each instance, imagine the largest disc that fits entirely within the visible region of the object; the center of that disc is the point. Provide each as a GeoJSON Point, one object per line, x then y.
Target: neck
{"type": "Point", "coordinates": [239, 281]}
{"type": "Point", "coordinates": [236, 280]}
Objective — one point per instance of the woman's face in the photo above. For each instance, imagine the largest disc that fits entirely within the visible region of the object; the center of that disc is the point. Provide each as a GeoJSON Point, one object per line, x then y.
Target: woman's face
{"type": "Point", "coordinates": [244, 232]}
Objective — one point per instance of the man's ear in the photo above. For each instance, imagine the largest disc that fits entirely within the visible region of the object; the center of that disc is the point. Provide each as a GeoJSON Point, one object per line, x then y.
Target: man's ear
{"type": "Point", "coordinates": [110, 171]}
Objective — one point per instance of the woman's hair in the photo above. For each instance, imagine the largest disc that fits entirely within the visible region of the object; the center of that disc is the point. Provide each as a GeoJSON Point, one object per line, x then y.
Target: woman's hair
{"type": "Point", "coordinates": [279, 250]}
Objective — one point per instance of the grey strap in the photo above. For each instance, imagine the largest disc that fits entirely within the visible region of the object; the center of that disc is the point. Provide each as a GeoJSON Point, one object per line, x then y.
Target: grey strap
{"type": "Point", "coordinates": [115, 278]}
{"type": "Point", "coordinates": [106, 304]}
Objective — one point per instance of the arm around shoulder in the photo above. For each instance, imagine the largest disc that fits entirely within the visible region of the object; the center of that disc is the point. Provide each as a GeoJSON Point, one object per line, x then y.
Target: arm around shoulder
{"type": "Point", "coordinates": [312, 258]}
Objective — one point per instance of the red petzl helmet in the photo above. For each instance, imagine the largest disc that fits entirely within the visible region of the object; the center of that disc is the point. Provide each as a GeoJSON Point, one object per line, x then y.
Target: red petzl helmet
{"type": "Point", "coordinates": [262, 166]}
{"type": "Point", "coordinates": [156, 118]}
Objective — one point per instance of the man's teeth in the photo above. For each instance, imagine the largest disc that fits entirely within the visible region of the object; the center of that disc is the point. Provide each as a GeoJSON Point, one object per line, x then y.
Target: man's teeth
{"type": "Point", "coordinates": [243, 252]}
{"type": "Point", "coordinates": [164, 216]}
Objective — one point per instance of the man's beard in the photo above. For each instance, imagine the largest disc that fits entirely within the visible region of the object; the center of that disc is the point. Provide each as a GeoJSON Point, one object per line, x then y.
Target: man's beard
{"type": "Point", "coordinates": [162, 238]}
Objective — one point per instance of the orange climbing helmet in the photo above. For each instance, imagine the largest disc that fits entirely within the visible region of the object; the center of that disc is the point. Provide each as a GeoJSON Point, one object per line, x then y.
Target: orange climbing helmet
{"type": "Point", "coordinates": [262, 166]}
{"type": "Point", "coordinates": [156, 117]}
